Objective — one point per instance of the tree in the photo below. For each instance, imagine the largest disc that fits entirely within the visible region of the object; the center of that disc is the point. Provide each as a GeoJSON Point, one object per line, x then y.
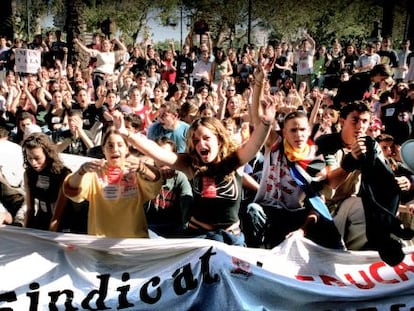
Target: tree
{"type": "Point", "coordinates": [129, 16]}
{"type": "Point", "coordinates": [29, 14]}
{"type": "Point", "coordinates": [6, 26]}
{"type": "Point", "coordinates": [73, 27]}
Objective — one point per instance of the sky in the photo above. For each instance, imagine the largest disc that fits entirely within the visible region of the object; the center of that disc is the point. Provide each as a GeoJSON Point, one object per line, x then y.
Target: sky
{"type": "Point", "coordinates": [159, 32]}
{"type": "Point", "coordinates": [162, 33]}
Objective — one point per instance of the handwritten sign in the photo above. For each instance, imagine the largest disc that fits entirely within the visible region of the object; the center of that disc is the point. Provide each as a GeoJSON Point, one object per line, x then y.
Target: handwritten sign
{"type": "Point", "coordinates": [28, 61]}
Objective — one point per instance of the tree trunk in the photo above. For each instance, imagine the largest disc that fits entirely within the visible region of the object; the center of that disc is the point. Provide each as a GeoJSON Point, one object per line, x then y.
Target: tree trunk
{"type": "Point", "coordinates": [6, 17]}
{"type": "Point", "coordinates": [73, 27]}
{"type": "Point", "coordinates": [388, 17]}
{"type": "Point", "coordinates": [409, 23]}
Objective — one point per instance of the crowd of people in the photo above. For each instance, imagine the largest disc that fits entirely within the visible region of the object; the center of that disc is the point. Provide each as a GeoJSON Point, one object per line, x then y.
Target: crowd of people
{"type": "Point", "coordinates": [242, 145]}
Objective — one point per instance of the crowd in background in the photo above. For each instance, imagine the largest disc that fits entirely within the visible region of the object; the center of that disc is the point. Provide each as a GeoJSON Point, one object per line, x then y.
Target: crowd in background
{"type": "Point", "coordinates": [87, 109]}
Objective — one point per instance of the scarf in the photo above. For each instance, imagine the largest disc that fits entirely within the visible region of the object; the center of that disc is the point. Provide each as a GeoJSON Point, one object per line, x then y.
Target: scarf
{"type": "Point", "coordinates": [114, 175]}
{"type": "Point", "coordinates": [301, 156]}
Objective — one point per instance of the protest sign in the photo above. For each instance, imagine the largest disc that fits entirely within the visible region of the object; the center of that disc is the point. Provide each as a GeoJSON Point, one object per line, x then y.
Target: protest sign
{"type": "Point", "coordinates": [28, 61]}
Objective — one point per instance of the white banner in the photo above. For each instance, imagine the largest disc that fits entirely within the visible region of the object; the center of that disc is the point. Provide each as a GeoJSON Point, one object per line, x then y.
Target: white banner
{"type": "Point", "coordinates": [27, 60]}
{"type": "Point", "coordinates": [42, 270]}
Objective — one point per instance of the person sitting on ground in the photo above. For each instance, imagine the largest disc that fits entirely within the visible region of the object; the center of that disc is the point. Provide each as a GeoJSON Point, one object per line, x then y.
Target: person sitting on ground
{"type": "Point", "coordinates": [360, 85]}
{"type": "Point", "coordinates": [168, 214]}
{"type": "Point", "coordinates": [116, 189]}
{"type": "Point", "coordinates": [365, 201]}
{"type": "Point", "coordinates": [213, 163]}
{"type": "Point", "coordinates": [292, 177]}
{"type": "Point", "coordinates": [44, 175]}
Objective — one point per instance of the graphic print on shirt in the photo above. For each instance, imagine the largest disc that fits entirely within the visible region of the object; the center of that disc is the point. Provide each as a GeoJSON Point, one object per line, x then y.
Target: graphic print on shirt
{"type": "Point", "coordinates": [208, 187]}
{"type": "Point", "coordinates": [118, 184]}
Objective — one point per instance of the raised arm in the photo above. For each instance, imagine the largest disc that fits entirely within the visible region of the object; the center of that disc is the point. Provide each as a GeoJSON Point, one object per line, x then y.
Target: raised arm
{"type": "Point", "coordinates": [311, 41]}
{"type": "Point", "coordinates": [83, 47]}
{"type": "Point", "coordinates": [257, 98]}
{"type": "Point", "coordinates": [152, 149]}
{"type": "Point", "coordinates": [122, 49]}
{"type": "Point", "coordinates": [263, 121]}
{"type": "Point", "coordinates": [315, 110]}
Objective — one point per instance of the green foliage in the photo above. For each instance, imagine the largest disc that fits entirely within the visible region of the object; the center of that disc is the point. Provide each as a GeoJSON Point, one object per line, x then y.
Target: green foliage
{"type": "Point", "coordinates": [326, 20]}
{"type": "Point", "coordinates": [36, 9]}
{"type": "Point", "coordinates": [323, 19]}
{"type": "Point", "coordinates": [129, 16]}
{"type": "Point", "coordinates": [165, 45]}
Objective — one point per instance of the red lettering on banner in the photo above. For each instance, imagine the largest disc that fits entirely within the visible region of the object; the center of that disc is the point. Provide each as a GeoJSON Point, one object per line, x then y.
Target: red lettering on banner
{"type": "Point", "coordinates": [372, 277]}
{"type": "Point", "coordinates": [401, 270]}
{"type": "Point", "coordinates": [304, 278]}
{"type": "Point", "coordinates": [329, 280]}
{"type": "Point", "coordinates": [369, 284]}
{"type": "Point", "coordinates": [373, 269]}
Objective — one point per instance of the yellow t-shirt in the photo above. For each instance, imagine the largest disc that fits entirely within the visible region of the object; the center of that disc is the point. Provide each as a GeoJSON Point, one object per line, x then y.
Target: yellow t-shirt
{"type": "Point", "coordinates": [116, 207]}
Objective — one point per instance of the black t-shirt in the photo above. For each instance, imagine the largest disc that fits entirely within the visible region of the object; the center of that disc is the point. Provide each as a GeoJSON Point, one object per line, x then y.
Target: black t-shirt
{"type": "Point", "coordinates": [389, 58]}
{"type": "Point", "coordinates": [185, 66]}
{"type": "Point", "coordinates": [44, 187]}
{"type": "Point", "coordinates": [89, 115]}
{"type": "Point", "coordinates": [353, 89]}
{"type": "Point", "coordinates": [76, 146]}
{"type": "Point", "coordinates": [276, 73]}
{"type": "Point", "coordinates": [140, 64]}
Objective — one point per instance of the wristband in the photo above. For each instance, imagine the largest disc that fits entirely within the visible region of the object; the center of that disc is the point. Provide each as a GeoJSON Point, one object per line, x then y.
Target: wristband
{"type": "Point", "coordinates": [349, 163]}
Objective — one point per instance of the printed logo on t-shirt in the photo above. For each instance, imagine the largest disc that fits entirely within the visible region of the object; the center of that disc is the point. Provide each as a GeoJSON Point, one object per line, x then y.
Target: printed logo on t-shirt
{"type": "Point", "coordinates": [209, 189]}
{"type": "Point", "coordinates": [43, 182]}
{"type": "Point", "coordinates": [119, 184]}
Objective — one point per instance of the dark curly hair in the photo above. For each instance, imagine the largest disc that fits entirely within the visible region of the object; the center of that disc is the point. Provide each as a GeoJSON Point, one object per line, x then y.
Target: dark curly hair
{"type": "Point", "coordinates": [41, 140]}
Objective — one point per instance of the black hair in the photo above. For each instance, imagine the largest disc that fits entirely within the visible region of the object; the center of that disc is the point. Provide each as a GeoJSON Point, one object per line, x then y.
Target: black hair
{"type": "Point", "coordinates": [359, 106]}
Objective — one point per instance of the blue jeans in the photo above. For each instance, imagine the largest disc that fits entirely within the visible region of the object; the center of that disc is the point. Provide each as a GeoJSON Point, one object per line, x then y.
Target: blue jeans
{"type": "Point", "coordinates": [220, 235]}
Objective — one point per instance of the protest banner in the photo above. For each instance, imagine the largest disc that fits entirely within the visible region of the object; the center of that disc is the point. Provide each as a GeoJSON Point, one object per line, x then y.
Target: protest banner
{"type": "Point", "coordinates": [42, 270]}
{"type": "Point", "coordinates": [28, 61]}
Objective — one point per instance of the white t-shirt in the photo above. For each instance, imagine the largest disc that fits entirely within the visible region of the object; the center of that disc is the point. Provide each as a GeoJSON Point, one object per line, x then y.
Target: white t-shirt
{"type": "Point", "coordinates": [105, 61]}
{"type": "Point", "coordinates": [11, 162]}
{"type": "Point", "coordinates": [305, 62]}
